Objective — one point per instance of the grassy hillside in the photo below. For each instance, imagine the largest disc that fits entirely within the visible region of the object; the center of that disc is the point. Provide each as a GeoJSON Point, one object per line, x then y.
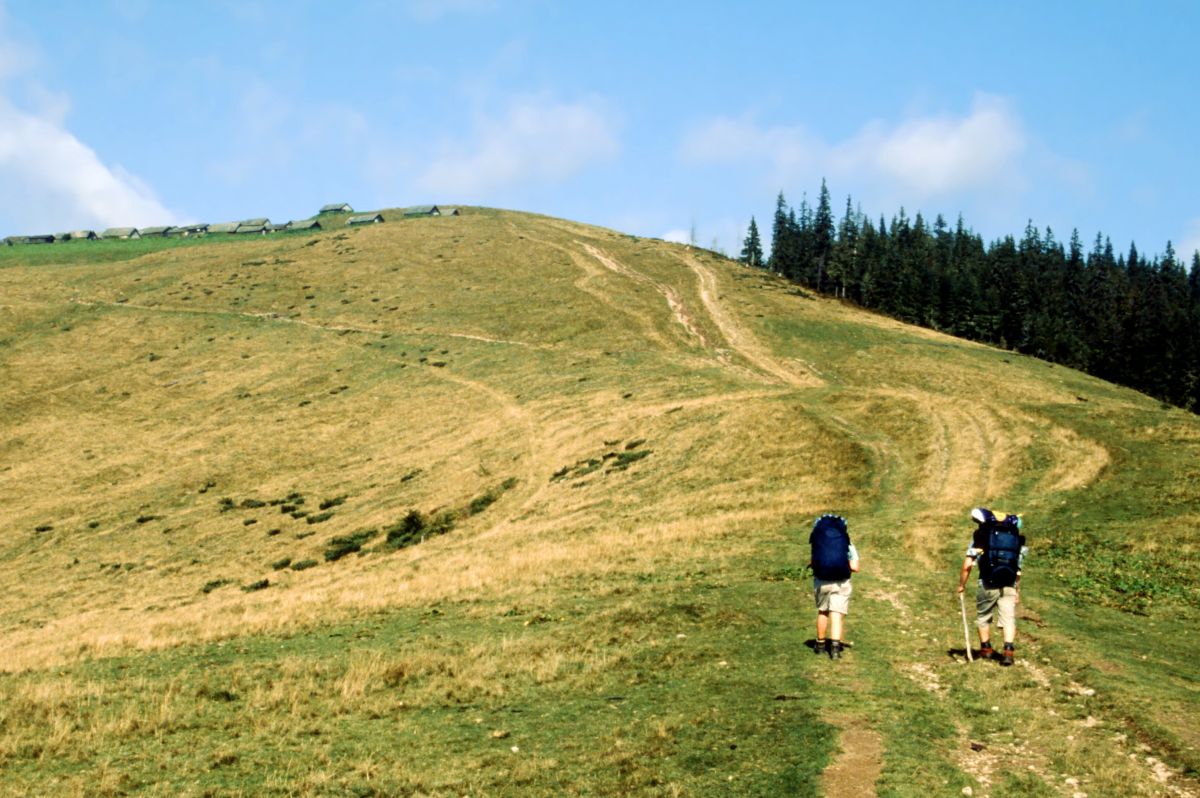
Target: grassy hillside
{"type": "Point", "coordinates": [505, 505]}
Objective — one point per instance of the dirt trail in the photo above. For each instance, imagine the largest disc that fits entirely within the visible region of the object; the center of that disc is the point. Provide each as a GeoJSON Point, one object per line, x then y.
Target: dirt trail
{"type": "Point", "coordinates": [860, 761]}
{"type": "Point", "coordinates": [678, 310]}
{"type": "Point", "coordinates": [741, 340]}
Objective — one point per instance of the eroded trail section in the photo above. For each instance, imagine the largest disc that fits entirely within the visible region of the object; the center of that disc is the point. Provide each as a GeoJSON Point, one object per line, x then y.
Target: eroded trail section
{"type": "Point", "coordinates": [741, 340]}
{"type": "Point", "coordinates": [679, 311]}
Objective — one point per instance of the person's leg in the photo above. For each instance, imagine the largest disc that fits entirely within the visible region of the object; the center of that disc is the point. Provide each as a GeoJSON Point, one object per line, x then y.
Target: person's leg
{"type": "Point", "coordinates": [839, 607]}
{"type": "Point", "coordinates": [822, 625]}
{"type": "Point", "coordinates": [985, 607]}
{"type": "Point", "coordinates": [1007, 610]}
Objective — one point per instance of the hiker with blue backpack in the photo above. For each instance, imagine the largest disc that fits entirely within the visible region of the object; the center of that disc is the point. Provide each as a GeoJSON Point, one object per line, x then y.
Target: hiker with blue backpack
{"type": "Point", "coordinates": [834, 559]}
{"type": "Point", "coordinates": [998, 547]}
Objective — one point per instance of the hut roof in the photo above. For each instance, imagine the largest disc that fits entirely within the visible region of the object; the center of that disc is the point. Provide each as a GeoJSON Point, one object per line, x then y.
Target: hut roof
{"type": "Point", "coordinates": [422, 210]}
{"type": "Point", "coordinates": [263, 222]}
{"type": "Point", "coordinates": [154, 231]}
{"type": "Point", "coordinates": [450, 212]}
{"type": "Point", "coordinates": [121, 232]}
{"type": "Point", "coordinates": [336, 207]}
{"type": "Point", "coordinates": [304, 224]}
{"type": "Point", "coordinates": [368, 218]}
{"type": "Point", "coordinates": [223, 227]}
{"type": "Point", "coordinates": [82, 235]}
{"type": "Point", "coordinates": [253, 227]}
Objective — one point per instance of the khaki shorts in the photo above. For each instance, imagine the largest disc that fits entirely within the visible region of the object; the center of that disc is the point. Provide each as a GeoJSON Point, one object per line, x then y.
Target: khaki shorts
{"type": "Point", "coordinates": [832, 596]}
{"type": "Point", "coordinates": [1001, 601]}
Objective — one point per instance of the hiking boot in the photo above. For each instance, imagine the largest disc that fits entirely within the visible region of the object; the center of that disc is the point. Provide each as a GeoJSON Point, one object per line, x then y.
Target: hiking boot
{"type": "Point", "coordinates": [986, 651]}
{"type": "Point", "coordinates": [1007, 657]}
{"type": "Point", "coordinates": [820, 646]}
{"type": "Point", "coordinates": [835, 649]}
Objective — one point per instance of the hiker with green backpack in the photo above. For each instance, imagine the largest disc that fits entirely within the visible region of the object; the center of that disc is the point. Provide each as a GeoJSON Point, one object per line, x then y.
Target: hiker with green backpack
{"type": "Point", "coordinates": [834, 559]}
{"type": "Point", "coordinates": [998, 547]}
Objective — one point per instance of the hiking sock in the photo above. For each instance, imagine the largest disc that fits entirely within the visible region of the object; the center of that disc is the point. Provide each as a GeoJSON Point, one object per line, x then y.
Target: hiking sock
{"type": "Point", "coordinates": [819, 646]}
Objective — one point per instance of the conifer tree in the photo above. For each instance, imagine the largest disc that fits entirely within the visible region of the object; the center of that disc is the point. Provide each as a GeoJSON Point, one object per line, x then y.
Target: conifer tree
{"type": "Point", "coordinates": [752, 253]}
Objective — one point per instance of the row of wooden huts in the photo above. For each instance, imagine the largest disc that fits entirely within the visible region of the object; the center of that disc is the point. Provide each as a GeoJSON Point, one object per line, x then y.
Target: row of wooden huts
{"type": "Point", "coordinates": [325, 217]}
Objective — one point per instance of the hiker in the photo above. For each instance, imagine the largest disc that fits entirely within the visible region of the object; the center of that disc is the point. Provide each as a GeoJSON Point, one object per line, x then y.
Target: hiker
{"type": "Point", "coordinates": [834, 559]}
{"type": "Point", "coordinates": [998, 547]}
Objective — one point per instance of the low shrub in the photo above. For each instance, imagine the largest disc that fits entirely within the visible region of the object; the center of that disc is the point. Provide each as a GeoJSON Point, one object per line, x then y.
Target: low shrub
{"type": "Point", "coordinates": [626, 459]}
{"type": "Point", "coordinates": [43, 528]}
{"type": "Point", "coordinates": [279, 565]}
{"type": "Point", "coordinates": [303, 565]}
{"type": "Point", "coordinates": [408, 531]}
{"type": "Point", "coordinates": [319, 517]}
{"type": "Point", "coordinates": [340, 546]}
{"type": "Point", "coordinates": [261, 584]}
{"type": "Point", "coordinates": [325, 505]}
{"type": "Point", "coordinates": [214, 584]}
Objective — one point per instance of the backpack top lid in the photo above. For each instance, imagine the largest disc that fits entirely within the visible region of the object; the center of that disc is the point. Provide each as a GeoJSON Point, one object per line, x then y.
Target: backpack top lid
{"type": "Point", "coordinates": [830, 520]}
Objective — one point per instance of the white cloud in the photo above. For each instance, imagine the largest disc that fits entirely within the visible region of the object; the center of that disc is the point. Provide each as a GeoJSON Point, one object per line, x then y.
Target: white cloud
{"type": "Point", "coordinates": [50, 180]}
{"type": "Point", "coordinates": [541, 143]}
{"type": "Point", "coordinates": [1189, 242]}
{"type": "Point", "coordinates": [787, 149]}
{"type": "Point", "coordinates": [677, 236]}
{"type": "Point", "coordinates": [920, 157]}
{"type": "Point", "coordinates": [940, 155]}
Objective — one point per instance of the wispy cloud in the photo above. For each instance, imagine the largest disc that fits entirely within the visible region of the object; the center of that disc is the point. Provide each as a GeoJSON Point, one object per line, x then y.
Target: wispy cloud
{"type": "Point", "coordinates": [533, 142]}
{"type": "Point", "coordinates": [51, 180]}
{"type": "Point", "coordinates": [922, 157]}
{"type": "Point", "coordinates": [433, 10]}
{"type": "Point", "coordinates": [16, 58]}
{"type": "Point", "coordinates": [940, 155]}
{"type": "Point", "coordinates": [1189, 242]}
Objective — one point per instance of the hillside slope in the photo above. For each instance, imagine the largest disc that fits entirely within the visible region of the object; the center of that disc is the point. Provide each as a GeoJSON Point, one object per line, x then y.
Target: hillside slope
{"type": "Point", "coordinates": [615, 446]}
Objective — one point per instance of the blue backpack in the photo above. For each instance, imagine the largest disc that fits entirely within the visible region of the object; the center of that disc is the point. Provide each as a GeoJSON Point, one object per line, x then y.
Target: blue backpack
{"type": "Point", "coordinates": [830, 549]}
{"type": "Point", "coordinates": [1001, 558]}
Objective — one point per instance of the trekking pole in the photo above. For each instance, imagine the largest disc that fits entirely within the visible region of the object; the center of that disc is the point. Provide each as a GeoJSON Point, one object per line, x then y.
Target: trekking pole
{"type": "Point", "coordinates": [966, 633]}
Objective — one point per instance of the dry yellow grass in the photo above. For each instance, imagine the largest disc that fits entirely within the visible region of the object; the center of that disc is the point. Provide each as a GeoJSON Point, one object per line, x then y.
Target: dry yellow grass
{"type": "Point", "coordinates": [313, 365]}
{"type": "Point", "coordinates": [420, 365]}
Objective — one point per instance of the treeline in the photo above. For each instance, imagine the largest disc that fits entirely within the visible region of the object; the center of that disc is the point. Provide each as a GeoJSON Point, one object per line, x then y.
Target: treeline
{"type": "Point", "coordinates": [1123, 317]}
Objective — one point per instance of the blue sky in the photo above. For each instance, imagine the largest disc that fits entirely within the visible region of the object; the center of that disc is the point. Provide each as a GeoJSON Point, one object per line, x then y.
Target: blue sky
{"type": "Point", "coordinates": [655, 118]}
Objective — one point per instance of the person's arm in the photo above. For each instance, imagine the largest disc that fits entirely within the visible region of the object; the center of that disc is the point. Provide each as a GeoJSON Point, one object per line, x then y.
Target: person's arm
{"type": "Point", "coordinates": [853, 559]}
{"type": "Point", "coordinates": [968, 564]}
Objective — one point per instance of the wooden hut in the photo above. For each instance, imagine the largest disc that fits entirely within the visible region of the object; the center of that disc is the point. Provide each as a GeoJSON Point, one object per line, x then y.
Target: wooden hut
{"type": "Point", "coordinates": [423, 210]}
{"type": "Point", "coordinates": [369, 218]}
{"type": "Point", "coordinates": [336, 207]}
{"type": "Point", "coordinates": [121, 232]}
